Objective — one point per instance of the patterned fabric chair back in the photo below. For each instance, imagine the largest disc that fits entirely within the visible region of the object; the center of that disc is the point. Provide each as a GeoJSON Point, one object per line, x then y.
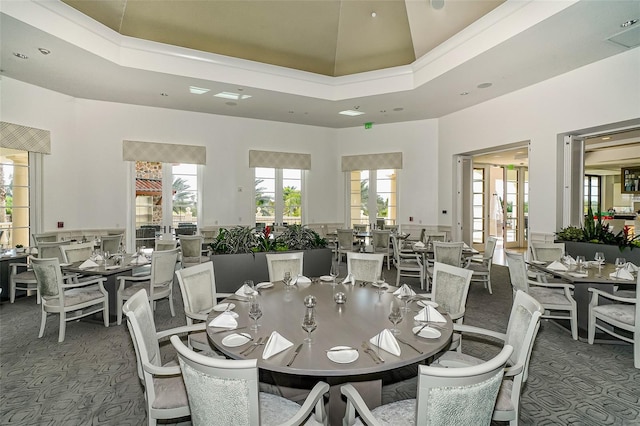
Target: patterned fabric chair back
{"type": "Point", "coordinates": [450, 288]}
{"type": "Point", "coordinates": [365, 266]}
{"type": "Point", "coordinates": [280, 263]}
{"type": "Point", "coordinates": [517, 271]}
{"type": "Point", "coordinates": [448, 253]}
{"type": "Point", "coordinates": [198, 288]}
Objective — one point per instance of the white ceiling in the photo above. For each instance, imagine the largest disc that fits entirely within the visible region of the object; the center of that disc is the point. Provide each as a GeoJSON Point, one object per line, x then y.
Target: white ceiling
{"type": "Point", "coordinates": [516, 45]}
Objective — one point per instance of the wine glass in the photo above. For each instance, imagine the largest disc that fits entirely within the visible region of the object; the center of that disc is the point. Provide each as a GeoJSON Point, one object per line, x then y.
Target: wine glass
{"type": "Point", "coordinates": [395, 316]}
{"type": "Point", "coordinates": [379, 284]}
{"type": "Point", "coordinates": [599, 257]}
{"type": "Point", "coordinates": [255, 313]}
{"type": "Point", "coordinates": [249, 290]}
{"type": "Point", "coordinates": [580, 263]}
{"type": "Point", "coordinates": [309, 324]}
{"type": "Point", "coordinates": [620, 262]}
{"type": "Point", "coordinates": [287, 278]}
{"type": "Point", "coordinates": [334, 272]}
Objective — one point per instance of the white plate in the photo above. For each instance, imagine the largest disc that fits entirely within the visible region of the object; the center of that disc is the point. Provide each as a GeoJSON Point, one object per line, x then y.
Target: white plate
{"type": "Point", "coordinates": [343, 357]}
{"type": "Point", "coordinates": [578, 275]}
{"type": "Point", "coordinates": [428, 332]}
{"type": "Point", "coordinates": [264, 285]}
{"type": "Point", "coordinates": [235, 339]}
{"type": "Point", "coordinates": [326, 278]}
{"type": "Point", "coordinates": [425, 303]}
{"type": "Point", "coordinates": [65, 264]}
{"type": "Point", "coordinates": [383, 285]}
{"type": "Point", "coordinates": [223, 307]}
{"type": "Point", "coordinates": [112, 267]}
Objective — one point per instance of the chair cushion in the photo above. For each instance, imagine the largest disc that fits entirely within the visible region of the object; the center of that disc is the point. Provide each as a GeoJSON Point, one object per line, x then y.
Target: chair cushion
{"type": "Point", "coordinates": [624, 313]}
{"type": "Point", "coordinates": [478, 268]}
{"type": "Point", "coordinates": [78, 295]}
{"type": "Point", "coordinates": [275, 410]}
{"type": "Point", "coordinates": [25, 276]}
{"type": "Point", "coordinates": [170, 391]}
{"type": "Point", "coordinates": [127, 292]}
{"type": "Point", "coordinates": [549, 296]}
{"type": "Point", "coordinates": [399, 413]}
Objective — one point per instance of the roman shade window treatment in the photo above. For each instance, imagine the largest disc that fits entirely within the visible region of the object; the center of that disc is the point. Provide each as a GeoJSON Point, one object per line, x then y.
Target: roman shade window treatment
{"type": "Point", "coordinates": [279, 160]}
{"type": "Point", "coordinates": [389, 160]}
{"type": "Point", "coordinates": [163, 152]}
{"type": "Point", "coordinates": [25, 138]}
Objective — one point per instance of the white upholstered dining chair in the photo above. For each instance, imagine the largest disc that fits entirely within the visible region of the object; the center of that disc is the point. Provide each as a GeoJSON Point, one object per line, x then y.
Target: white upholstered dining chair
{"type": "Point", "coordinates": [71, 301]}
{"type": "Point", "coordinates": [522, 329]}
{"type": "Point", "coordinates": [279, 263]}
{"type": "Point", "coordinates": [554, 297]}
{"type": "Point", "coordinates": [381, 242]}
{"type": "Point", "coordinates": [345, 243]}
{"type": "Point", "coordinates": [365, 266]}
{"type": "Point", "coordinates": [481, 266]}
{"type": "Point", "coordinates": [165, 394]}
{"type": "Point", "coordinates": [72, 253]}
{"type": "Point", "coordinates": [616, 314]}
{"type": "Point", "coordinates": [225, 392]}
{"type": "Point", "coordinates": [158, 284]}
{"type": "Point", "coordinates": [199, 296]}
{"type": "Point", "coordinates": [111, 243]}
{"type": "Point", "coordinates": [407, 264]}
{"type": "Point", "coordinates": [191, 247]}
{"type": "Point", "coordinates": [463, 396]}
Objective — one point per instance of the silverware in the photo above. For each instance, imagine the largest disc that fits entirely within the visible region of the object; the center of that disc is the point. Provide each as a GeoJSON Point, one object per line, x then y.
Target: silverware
{"type": "Point", "coordinates": [228, 329]}
{"type": "Point", "coordinates": [253, 346]}
{"type": "Point", "coordinates": [295, 354]}
{"type": "Point", "coordinates": [370, 353]}
{"type": "Point", "coordinates": [237, 298]}
{"type": "Point", "coordinates": [374, 352]}
{"type": "Point", "coordinates": [341, 349]}
{"type": "Point", "coordinates": [415, 333]}
{"type": "Point", "coordinates": [409, 344]}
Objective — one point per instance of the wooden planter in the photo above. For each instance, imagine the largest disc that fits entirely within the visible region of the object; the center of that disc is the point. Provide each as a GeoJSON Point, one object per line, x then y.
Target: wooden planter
{"type": "Point", "coordinates": [232, 270]}
{"type": "Point", "coordinates": [588, 250]}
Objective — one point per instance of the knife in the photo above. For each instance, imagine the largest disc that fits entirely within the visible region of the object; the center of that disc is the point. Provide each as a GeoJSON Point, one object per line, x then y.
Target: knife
{"type": "Point", "coordinates": [295, 354]}
{"type": "Point", "coordinates": [410, 345]}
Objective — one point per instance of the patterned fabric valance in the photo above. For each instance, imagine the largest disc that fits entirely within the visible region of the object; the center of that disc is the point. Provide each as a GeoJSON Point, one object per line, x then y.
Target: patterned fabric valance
{"type": "Point", "coordinates": [163, 152]}
{"type": "Point", "coordinates": [279, 160]}
{"type": "Point", "coordinates": [25, 138]}
{"type": "Point", "coordinates": [390, 160]}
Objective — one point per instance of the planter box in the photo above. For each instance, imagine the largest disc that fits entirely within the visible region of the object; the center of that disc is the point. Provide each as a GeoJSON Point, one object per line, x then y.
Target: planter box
{"type": "Point", "coordinates": [231, 270]}
{"type": "Point", "coordinates": [588, 250]}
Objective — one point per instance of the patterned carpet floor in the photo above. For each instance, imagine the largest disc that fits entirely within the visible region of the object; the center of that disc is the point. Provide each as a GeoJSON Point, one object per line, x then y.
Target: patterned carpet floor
{"type": "Point", "coordinates": [90, 378]}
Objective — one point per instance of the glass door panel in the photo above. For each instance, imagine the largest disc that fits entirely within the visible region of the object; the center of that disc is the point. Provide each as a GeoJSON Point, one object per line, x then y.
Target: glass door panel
{"type": "Point", "coordinates": [359, 197]}
{"type": "Point", "coordinates": [478, 206]}
{"type": "Point", "coordinates": [386, 197]}
{"type": "Point", "coordinates": [512, 224]}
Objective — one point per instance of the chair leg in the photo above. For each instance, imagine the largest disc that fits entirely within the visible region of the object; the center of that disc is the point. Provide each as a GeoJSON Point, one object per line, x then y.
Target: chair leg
{"type": "Point", "coordinates": [489, 284]}
{"type": "Point", "coordinates": [43, 321]}
{"type": "Point", "coordinates": [119, 308]}
{"type": "Point", "coordinates": [105, 312]}
{"type": "Point", "coordinates": [574, 325]}
{"type": "Point", "coordinates": [591, 331]}
{"type": "Point", "coordinates": [173, 312]}
{"type": "Point", "coordinates": [12, 291]}
{"type": "Point", "coordinates": [63, 324]}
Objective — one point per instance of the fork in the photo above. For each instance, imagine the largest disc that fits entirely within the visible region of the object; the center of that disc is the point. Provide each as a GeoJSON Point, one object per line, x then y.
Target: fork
{"type": "Point", "coordinates": [252, 347]}
{"type": "Point", "coordinates": [370, 352]}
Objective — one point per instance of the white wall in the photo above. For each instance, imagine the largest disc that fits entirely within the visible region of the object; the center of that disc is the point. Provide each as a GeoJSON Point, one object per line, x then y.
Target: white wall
{"type": "Point", "coordinates": [418, 179]}
{"type": "Point", "coordinates": [86, 180]}
{"type": "Point", "coordinates": [595, 95]}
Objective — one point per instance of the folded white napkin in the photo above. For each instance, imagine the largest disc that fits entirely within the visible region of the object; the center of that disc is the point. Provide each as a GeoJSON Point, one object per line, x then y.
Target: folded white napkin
{"type": "Point", "coordinates": [99, 258]}
{"type": "Point", "coordinates": [622, 274]}
{"type": "Point", "coordinates": [569, 260]}
{"type": "Point", "coordinates": [419, 244]}
{"type": "Point", "coordinates": [225, 320]}
{"type": "Point", "coordinates": [275, 345]}
{"type": "Point", "coordinates": [349, 279]}
{"type": "Point", "coordinates": [387, 341]}
{"type": "Point", "coordinates": [242, 293]}
{"type": "Point", "coordinates": [429, 314]}
{"type": "Point", "coordinates": [301, 279]}
{"type": "Point", "coordinates": [139, 260]}
{"type": "Point", "coordinates": [88, 264]}
{"type": "Point", "coordinates": [557, 266]}
{"type": "Point", "coordinates": [630, 267]}
{"type": "Point", "coordinates": [403, 291]}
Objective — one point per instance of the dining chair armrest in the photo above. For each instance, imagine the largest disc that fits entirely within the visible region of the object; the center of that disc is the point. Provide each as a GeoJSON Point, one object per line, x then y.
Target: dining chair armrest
{"type": "Point", "coordinates": [355, 404]}
{"type": "Point", "coordinates": [477, 330]}
{"type": "Point", "coordinates": [551, 285]}
{"type": "Point", "coordinates": [513, 370]}
{"type": "Point", "coordinates": [196, 315]}
{"type": "Point", "coordinates": [173, 370]}
{"type": "Point", "coordinates": [97, 280]}
{"type": "Point", "coordinates": [201, 326]}
{"type": "Point", "coordinates": [137, 278]}
{"type": "Point", "coordinates": [14, 266]}
{"type": "Point", "coordinates": [609, 296]}
{"type": "Point", "coordinates": [313, 401]}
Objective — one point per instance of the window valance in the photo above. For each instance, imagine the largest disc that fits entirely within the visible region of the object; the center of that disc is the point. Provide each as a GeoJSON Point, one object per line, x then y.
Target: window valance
{"type": "Point", "coordinates": [25, 138]}
{"type": "Point", "coordinates": [389, 160]}
{"type": "Point", "coordinates": [279, 160]}
{"type": "Point", "coordinates": [163, 152]}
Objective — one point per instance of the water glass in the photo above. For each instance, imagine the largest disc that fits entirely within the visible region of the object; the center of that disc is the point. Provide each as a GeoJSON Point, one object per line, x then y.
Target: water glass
{"type": "Point", "coordinates": [255, 313]}
{"type": "Point", "coordinates": [249, 289]}
{"type": "Point", "coordinates": [334, 272]}
{"type": "Point", "coordinates": [580, 263]}
{"type": "Point", "coordinates": [395, 316]}
{"type": "Point", "coordinates": [287, 278]}
{"type": "Point", "coordinates": [309, 324]}
{"type": "Point", "coordinates": [599, 257]}
{"type": "Point", "coordinates": [620, 262]}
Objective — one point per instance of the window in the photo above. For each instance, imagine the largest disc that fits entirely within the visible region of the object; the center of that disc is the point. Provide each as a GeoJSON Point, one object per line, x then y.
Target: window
{"type": "Point", "coordinates": [478, 206]}
{"type": "Point", "coordinates": [592, 186]}
{"type": "Point", "coordinates": [278, 196]}
{"type": "Point", "coordinates": [373, 191]}
{"type": "Point", "coordinates": [163, 208]}
{"type": "Point", "coordinates": [15, 197]}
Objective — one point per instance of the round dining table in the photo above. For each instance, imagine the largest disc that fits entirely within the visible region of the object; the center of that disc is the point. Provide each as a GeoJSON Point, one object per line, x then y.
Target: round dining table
{"type": "Point", "coordinates": [352, 324]}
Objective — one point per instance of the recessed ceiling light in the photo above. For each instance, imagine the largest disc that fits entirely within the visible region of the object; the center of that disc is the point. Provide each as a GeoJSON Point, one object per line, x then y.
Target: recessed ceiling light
{"type": "Point", "coordinates": [351, 113]}
{"type": "Point", "coordinates": [230, 95]}
{"type": "Point", "coordinates": [198, 90]}
{"type": "Point", "coordinates": [164, 94]}
{"type": "Point", "coordinates": [373, 14]}
{"type": "Point", "coordinates": [606, 138]}
{"type": "Point", "coordinates": [20, 55]}
{"type": "Point", "coordinates": [484, 85]}
{"type": "Point", "coordinates": [628, 23]}
{"type": "Point", "coordinates": [44, 51]}
{"type": "Point", "coordinates": [464, 93]}
{"type": "Point", "coordinates": [291, 112]}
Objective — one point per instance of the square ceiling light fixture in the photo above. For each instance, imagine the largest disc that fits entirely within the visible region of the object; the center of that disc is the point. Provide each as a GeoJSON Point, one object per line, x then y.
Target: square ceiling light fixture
{"type": "Point", "coordinates": [351, 113]}
{"type": "Point", "coordinates": [234, 96]}
{"type": "Point", "coordinates": [628, 38]}
{"type": "Point", "coordinates": [198, 90]}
